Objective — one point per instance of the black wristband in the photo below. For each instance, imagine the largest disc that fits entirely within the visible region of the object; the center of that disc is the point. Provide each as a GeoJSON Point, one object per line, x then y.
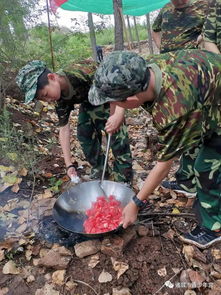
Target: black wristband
{"type": "Point", "coordinates": [70, 166]}
{"type": "Point", "coordinates": [138, 202]}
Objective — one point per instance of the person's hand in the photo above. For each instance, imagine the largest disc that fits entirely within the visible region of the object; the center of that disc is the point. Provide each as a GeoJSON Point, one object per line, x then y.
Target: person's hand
{"type": "Point", "coordinates": [129, 214]}
{"type": "Point", "coordinates": [71, 172]}
{"type": "Point", "coordinates": [113, 123]}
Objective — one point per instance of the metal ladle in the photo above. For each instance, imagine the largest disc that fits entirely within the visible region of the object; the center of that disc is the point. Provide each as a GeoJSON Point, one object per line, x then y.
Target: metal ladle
{"type": "Point", "coordinates": [105, 163]}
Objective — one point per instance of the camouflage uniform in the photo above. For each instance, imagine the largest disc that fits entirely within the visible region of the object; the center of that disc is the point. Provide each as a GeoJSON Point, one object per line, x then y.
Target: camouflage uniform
{"type": "Point", "coordinates": [212, 25]}
{"type": "Point", "coordinates": [91, 119]}
{"type": "Point", "coordinates": [180, 27]}
{"type": "Point", "coordinates": [91, 122]}
{"type": "Point", "coordinates": [186, 112]}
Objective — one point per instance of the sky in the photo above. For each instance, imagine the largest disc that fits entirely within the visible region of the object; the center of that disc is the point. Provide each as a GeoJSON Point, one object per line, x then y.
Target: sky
{"type": "Point", "coordinates": [63, 17]}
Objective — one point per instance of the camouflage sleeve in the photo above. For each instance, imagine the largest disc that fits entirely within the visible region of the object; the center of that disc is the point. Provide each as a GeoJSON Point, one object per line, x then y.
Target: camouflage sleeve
{"type": "Point", "coordinates": [156, 27]}
{"type": "Point", "coordinates": [180, 136]}
{"type": "Point", "coordinates": [209, 29]}
{"type": "Point", "coordinates": [63, 110]}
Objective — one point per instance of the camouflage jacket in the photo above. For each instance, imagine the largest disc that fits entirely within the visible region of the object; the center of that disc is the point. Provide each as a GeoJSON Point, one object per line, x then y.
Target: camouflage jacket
{"type": "Point", "coordinates": [80, 78]}
{"type": "Point", "coordinates": [187, 109]}
{"type": "Point", "coordinates": [212, 25]}
{"type": "Point", "coordinates": [180, 27]}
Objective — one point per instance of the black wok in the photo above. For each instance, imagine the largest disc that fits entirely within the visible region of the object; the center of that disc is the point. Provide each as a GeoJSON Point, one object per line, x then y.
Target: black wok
{"type": "Point", "coordinates": [69, 209]}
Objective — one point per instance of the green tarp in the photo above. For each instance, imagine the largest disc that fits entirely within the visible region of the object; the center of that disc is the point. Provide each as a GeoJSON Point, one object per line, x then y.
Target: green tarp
{"type": "Point", "coordinates": [130, 7]}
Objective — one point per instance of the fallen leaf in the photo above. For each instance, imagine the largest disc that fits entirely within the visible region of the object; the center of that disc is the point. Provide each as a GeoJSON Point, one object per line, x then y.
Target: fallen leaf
{"type": "Point", "coordinates": [58, 277]}
{"type": "Point", "coordinates": [15, 188]}
{"type": "Point", "coordinates": [10, 268]}
{"type": "Point", "coordinates": [23, 172]}
{"type": "Point", "coordinates": [105, 277]}
{"type": "Point", "coordinates": [2, 255]}
{"type": "Point", "coordinates": [119, 266]}
{"type": "Point", "coordinates": [12, 156]}
{"type": "Point", "coordinates": [30, 279]}
{"type": "Point", "coordinates": [28, 254]}
{"type": "Point", "coordinates": [216, 253]}
{"type": "Point", "coordinates": [94, 260]}
{"type": "Point", "coordinates": [175, 211]}
{"type": "Point", "coordinates": [4, 291]}
{"type": "Point", "coordinates": [162, 272]}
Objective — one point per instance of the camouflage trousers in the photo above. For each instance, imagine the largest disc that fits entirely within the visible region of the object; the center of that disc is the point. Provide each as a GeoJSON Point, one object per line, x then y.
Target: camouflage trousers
{"type": "Point", "coordinates": [202, 168]}
{"type": "Point", "coordinates": [91, 122]}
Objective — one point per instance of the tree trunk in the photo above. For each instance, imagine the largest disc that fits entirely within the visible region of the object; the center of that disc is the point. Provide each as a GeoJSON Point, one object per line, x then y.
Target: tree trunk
{"type": "Point", "coordinates": [137, 35]}
{"type": "Point", "coordinates": [150, 42]}
{"type": "Point", "coordinates": [118, 28]}
{"type": "Point", "coordinates": [92, 35]}
{"type": "Point", "coordinates": [130, 33]}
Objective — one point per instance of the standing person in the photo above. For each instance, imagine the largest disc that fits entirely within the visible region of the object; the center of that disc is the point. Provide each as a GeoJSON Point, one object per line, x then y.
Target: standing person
{"type": "Point", "coordinates": [177, 27]}
{"type": "Point", "coordinates": [182, 92]}
{"type": "Point", "coordinates": [65, 89]}
{"type": "Point", "coordinates": [212, 28]}
{"type": "Point", "coordinates": [99, 51]}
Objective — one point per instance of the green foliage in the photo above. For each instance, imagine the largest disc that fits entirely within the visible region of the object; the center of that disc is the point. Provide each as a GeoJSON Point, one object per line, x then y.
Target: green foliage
{"type": "Point", "coordinates": [15, 148]}
{"type": "Point", "coordinates": [55, 184]}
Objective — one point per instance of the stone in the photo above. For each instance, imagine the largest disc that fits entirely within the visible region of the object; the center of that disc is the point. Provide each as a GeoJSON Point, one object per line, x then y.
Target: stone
{"type": "Point", "coordinates": [87, 248]}
{"type": "Point", "coordinates": [56, 258]}
{"type": "Point", "coordinates": [58, 277]}
{"type": "Point", "coordinates": [113, 246]}
{"type": "Point", "coordinates": [142, 230]}
{"type": "Point", "coordinates": [196, 277]}
{"type": "Point", "coordinates": [123, 291]}
{"type": "Point", "coordinates": [184, 277]}
{"type": "Point", "coordinates": [105, 277]}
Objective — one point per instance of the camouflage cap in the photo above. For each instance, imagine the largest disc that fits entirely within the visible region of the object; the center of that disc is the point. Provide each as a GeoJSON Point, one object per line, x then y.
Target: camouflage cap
{"type": "Point", "coordinates": [120, 75]}
{"type": "Point", "coordinates": [27, 78]}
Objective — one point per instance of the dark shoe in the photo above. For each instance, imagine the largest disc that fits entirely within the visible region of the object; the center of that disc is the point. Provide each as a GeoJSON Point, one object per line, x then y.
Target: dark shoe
{"type": "Point", "coordinates": [173, 185]}
{"type": "Point", "coordinates": [201, 237]}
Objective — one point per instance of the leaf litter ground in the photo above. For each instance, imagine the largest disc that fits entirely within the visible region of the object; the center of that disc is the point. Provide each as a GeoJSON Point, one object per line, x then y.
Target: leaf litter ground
{"type": "Point", "coordinates": [156, 261]}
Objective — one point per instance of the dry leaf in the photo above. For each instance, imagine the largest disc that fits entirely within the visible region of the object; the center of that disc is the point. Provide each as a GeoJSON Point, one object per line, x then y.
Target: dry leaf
{"type": "Point", "coordinates": [119, 266]}
{"type": "Point", "coordinates": [175, 211]}
{"type": "Point", "coordinates": [4, 291]}
{"type": "Point", "coordinates": [28, 254]}
{"type": "Point", "coordinates": [94, 260]}
{"type": "Point", "coordinates": [2, 255]}
{"type": "Point", "coordinates": [15, 188]}
{"type": "Point", "coordinates": [23, 172]}
{"type": "Point", "coordinates": [216, 253]}
{"type": "Point", "coordinates": [10, 268]}
{"type": "Point", "coordinates": [188, 252]}
{"type": "Point", "coordinates": [105, 277]}
{"type": "Point", "coordinates": [162, 272]}
{"type": "Point", "coordinates": [58, 277]}
{"type": "Point", "coordinates": [47, 290]}
{"type": "Point", "coordinates": [30, 279]}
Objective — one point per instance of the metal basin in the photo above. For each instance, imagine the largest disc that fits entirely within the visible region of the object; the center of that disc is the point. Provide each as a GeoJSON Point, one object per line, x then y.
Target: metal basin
{"type": "Point", "coordinates": [69, 209]}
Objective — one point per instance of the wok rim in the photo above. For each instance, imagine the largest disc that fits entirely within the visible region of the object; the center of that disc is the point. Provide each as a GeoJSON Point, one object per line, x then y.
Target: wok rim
{"type": "Point", "coordinates": [97, 235]}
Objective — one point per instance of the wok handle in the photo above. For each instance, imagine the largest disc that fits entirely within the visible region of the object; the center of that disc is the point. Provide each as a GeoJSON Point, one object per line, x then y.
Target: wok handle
{"type": "Point", "coordinates": [106, 157]}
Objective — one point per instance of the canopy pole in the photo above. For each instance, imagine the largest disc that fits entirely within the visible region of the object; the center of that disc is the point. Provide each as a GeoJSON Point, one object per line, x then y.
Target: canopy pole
{"type": "Point", "coordinates": [150, 43]}
{"type": "Point", "coordinates": [92, 35]}
{"type": "Point", "coordinates": [124, 26]}
{"type": "Point", "coordinates": [137, 35]}
{"type": "Point", "coordinates": [50, 39]}
{"type": "Point", "coordinates": [118, 26]}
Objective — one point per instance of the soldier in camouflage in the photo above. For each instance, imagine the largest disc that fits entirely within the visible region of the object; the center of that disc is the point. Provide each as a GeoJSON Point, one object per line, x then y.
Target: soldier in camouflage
{"type": "Point", "coordinates": [182, 92]}
{"type": "Point", "coordinates": [177, 27]}
{"type": "Point", "coordinates": [212, 27]}
{"type": "Point", "coordinates": [179, 24]}
{"type": "Point", "coordinates": [70, 87]}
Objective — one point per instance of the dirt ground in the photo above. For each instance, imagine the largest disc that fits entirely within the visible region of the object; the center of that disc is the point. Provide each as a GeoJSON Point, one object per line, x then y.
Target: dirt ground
{"type": "Point", "coordinates": [155, 261]}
